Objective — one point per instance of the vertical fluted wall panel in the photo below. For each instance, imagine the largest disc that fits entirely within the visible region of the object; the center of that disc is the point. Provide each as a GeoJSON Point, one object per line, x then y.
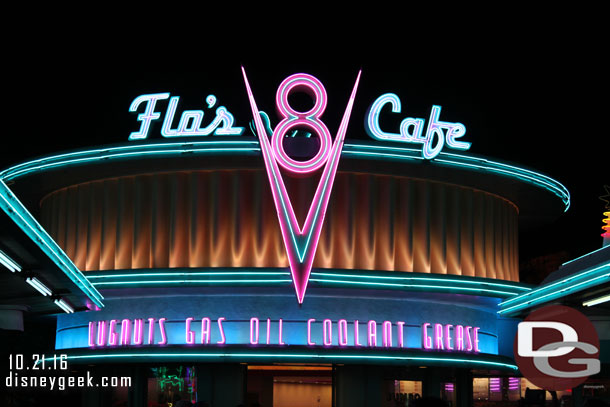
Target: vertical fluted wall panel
{"type": "Point", "coordinates": [228, 219]}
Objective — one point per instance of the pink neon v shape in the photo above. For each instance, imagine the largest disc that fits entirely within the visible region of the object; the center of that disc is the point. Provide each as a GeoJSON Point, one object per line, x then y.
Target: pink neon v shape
{"type": "Point", "coordinates": [301, 243]}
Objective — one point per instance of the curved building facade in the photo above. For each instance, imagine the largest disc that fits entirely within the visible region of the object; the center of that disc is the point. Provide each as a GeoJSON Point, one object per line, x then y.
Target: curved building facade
{"type": "Point", "coordinates": [188, 284]}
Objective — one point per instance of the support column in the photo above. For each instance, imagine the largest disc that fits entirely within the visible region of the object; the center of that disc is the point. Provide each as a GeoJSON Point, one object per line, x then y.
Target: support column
{"type": "Point", "coordinates": [358, 386]}
{"type": "Point", "coordinates": [221, 385]}
{"type": "Point", "coordinates": [137, 394]}
{"type": "Point", "coordinates": [431, 387]}
{"type": "Point", "coordinates": [463, 388]}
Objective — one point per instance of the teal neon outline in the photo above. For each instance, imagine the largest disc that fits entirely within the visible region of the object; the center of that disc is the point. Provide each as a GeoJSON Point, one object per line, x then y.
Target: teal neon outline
{"type": "Point", "coordinates": [555, 283]}
{"type": "Point", "coordinates": [424, 279]}
{"type": "Point", "coordinates": [246, 147]}
{"type": "Point", "coordinates": [587, 254]}
{"type": "Point", "coordinates": [411, 286]}
{"type": "Point", "coordinates": [433, 283]}
{"type": "Point", "coordinates": [559, 289]}
{"type": "Point", "coordinates": [313, 356]}
{"type": "Point", "coordinates": [220, 273]}
{"type": "Point", "coordinates": [191, 281]}
{"type": "Point", "coordinates": [26, 222]}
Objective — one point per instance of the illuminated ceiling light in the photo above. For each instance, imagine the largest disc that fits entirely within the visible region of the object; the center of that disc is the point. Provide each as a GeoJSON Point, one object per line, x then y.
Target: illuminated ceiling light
{"type": "Point", "coordinates": [40, 287]}
{"type": "Point", "coordinates": [598, 300]}
{"type": "Point", "coordinates": [24, 219]}
{"type": "Point", "coordinates": [9, 263]}
{"type": "Point", "coordinates": [64, 305]}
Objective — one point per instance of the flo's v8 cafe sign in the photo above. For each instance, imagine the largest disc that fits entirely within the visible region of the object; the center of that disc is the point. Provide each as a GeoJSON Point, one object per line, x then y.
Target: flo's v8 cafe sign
{"type": "Point", "coordinates": [300, 240]}
{"type": "Point", "coordinates": [432, 135]}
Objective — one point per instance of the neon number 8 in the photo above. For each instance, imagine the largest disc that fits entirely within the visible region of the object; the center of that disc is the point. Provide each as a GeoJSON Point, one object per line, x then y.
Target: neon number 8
{"type": "Point", "coordinates": [293, 118]}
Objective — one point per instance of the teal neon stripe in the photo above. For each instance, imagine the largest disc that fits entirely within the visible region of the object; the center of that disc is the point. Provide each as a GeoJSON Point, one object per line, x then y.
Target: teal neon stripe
{"type": "Point", "coordinates": [238, 146]}
{"type": "Point", "coordinates": [398, 153]}
{"type": "Point", "coordinates": [554, 295]}
{"type": "Point", "coordinates": [436, 287]}
{"type": "Point", "coordinates": [478, 284]}
{"type": "Point", "coordinates": [313, 356]}
{"type": "Point", "coordinates": [429, 283]}
{"type": "Point", "coordinates": [104, 153]}
{"type": "Point", "coordinates": [190, 282]}
{"type": "Point", "coordinates": [534, 293]}
{"type": "Point", "coordinates": [220, 273]}
{"type": "Point", "coordinates": [14, 174]}
{"type": "Point", "coordinates": [587, 254]}
{"type": "Point", "coordinates": [444, 280]}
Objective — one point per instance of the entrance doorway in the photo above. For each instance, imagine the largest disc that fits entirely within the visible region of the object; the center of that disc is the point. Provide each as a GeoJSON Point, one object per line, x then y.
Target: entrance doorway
{"type": "Point", "coordinates": [289, 385]}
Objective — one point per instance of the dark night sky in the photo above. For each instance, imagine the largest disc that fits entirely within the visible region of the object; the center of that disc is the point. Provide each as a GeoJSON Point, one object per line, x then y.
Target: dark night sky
{"type": "Point", "coordinates": [540, 104]}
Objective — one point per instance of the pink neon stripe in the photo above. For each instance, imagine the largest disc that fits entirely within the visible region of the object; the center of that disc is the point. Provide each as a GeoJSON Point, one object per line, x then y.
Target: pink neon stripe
{"type": "Point", "coordinates": [288, 223]}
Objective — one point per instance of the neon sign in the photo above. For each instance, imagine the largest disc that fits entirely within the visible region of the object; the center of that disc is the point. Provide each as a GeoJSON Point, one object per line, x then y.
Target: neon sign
{"type": "Point", "coordinates": [385, 334]}
{"type": "Point", "coordinates": [190, 121]}
{"type": "Point", "coordinates": [301, 242]}
{"type": "Point", "coordinates": [437, 134]}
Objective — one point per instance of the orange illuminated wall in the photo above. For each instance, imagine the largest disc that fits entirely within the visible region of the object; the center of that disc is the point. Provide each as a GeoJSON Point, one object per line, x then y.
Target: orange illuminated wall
{"type": "Point", "coordinates": [227, 218]}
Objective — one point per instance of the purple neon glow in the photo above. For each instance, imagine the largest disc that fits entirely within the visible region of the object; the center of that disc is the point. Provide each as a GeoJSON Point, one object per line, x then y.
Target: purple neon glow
{"type": "Point", "coordinates": [327, 332]}
{"type": "Point", "coordinates": [459, 337]}
{"type": "Point", "coordinates": [91, 334]}
{"type": "Point", "coordinates": [162, 329]}
{"type": "Point", "coordinates": [356, 336]}
{"type": "Point", "coordinates": [138, 331]}
{"type": "Point", "coordinates": [309, 341]}
{"type": "Point", "coordinates": [386, 334]}
{"type": "Point", "coordinates": [281, 327]}
{"type": "Point", "coordinates": [448, 338]}
{"type": "Point", "coordinates": [101, 333]}
{"type": "Point", "coordinates": [151, 331]}
{"type": "Point", "coordinates": [300, 267]}
{"type": "Point", "coordinates": [268, 331]}
{"type": "Point", "coordinates": [293, 118]}
{"type": "Point", "coordinates": [223, 339]}
{"type": "Point", "coordinates": [495, 384]}
{"type": "Point", "coordinates": [254, 324]}
{"type": "Point", "coordinates": [426, 340]}
{"type": "Point", "coordinates": [371, 333]}
{"type": "Point", "coordinates": [342, 332]}
{"type": "Point", "coordinates": [125, 332]}
{"type": "Point", "coordinates": [206, 330]}
{"type": "Point", "coordinates": [438, 336]}
{"type": "Point", "coordinates": [113, 337]}
{"type": "Point", "coordinates": [190, 335]}
{"type": "Point", "coordinates": [400, 325]}
{"type": "Point", "coordinates": [476, 339]}
{"type": "Point", "coordinates": [468, 339]}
